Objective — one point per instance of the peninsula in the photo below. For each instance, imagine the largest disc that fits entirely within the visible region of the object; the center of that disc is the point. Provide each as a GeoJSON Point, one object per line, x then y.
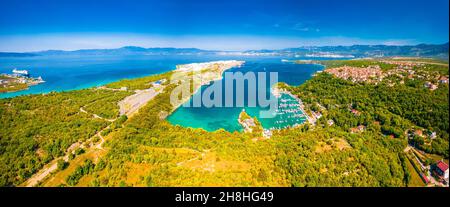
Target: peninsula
{"type": "Point", "coordinates": [17, 81]}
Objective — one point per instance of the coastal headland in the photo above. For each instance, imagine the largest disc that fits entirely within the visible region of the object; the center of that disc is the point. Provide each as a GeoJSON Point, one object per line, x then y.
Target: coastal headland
{"type": "Point", "coordinates": [17, 81]}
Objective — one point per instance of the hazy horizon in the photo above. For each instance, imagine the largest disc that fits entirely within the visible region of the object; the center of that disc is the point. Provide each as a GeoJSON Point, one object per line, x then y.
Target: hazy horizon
{"type": "Point", "coordinates": [219, 50]}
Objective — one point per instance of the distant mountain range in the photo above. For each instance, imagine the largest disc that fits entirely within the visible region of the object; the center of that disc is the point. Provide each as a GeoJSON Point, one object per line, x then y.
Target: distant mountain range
{"type": "Point", "coordinates": [421, 50]}
{"type": "Point", "coordinates": [128, 50]}
{"type": "Point", "coordinates": [16, 54]}
{"type": "Point", "coordinates": [354, 51]}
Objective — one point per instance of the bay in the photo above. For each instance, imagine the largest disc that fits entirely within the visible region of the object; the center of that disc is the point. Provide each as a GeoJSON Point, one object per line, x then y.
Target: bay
{"type": "Point", "coordinates": [215, 118]}
{"type": "Point", "coordinates": [65, 73]}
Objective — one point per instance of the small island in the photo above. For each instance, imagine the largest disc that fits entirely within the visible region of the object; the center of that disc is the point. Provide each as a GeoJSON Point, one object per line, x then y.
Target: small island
{"type": "Point", "coordinates": [17, 81]}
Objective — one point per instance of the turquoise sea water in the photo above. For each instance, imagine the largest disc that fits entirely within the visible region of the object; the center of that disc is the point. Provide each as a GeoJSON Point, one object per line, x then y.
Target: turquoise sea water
{"type": "Point", "coordinates": [70, 73]}
{"type": "Point", "coordinates": [63, 73]}
{"type": "Point", "coordinates": [215, 118]}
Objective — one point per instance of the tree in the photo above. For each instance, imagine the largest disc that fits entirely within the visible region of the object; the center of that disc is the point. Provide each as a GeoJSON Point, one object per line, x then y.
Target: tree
{"type": "Point", "coordinates": [62, 164]}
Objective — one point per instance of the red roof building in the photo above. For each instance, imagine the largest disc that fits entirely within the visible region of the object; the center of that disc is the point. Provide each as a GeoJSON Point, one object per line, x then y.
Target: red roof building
{"type": "Point", "coordinates": [355, 112]}
{"type": "Point", "coordinates": [418, 132]}
{"type": "Point", "coordinates": [442, 166]}
{"type": "Point", "coordinates": [441, 170]}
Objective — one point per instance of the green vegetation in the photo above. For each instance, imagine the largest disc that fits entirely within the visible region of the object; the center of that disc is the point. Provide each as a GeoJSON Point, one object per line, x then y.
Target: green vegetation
{"type": "Point", "coordinates": [415, 180]}
{"type": "Point", "coordinates": [442, 69]}
{"type": "Point", "coordinates": [146, 150]}
{"type": "Point", "coordinates": [151, 150]}
{"type": "Point", "coordinates": [356, 63]}
{"type": "Point", "coordinates": [389, 110]}
{"type": "Point", "coordinates": [385, 111]}
{"type": "Point", "coordinates": [38, 128]}
{"type": "Point", "coordinates": [315, 158]}
{"type": "Point", "coordinates": [79, 151]}
{"type": "Point", "coordinates": [85, 169]}
{"type": "Point", "coordinates": [435, 65]}
{"type": "Point", "coordinates": [424, 60]}
{"type": "Point", "coordinates": [245, 119]}
{"type": "Point", "coordinates": [14, 87]}
{"type": "Point", "coordinates": [62, 164]}
{"type": "Point", "coordinates": [106, 107]}
{"type": "Point", "coordinates": [139, 83]}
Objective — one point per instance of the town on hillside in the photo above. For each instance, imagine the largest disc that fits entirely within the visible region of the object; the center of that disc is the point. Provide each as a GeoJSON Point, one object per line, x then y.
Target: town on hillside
{"type": "Point", "coordinates": [432, 169]}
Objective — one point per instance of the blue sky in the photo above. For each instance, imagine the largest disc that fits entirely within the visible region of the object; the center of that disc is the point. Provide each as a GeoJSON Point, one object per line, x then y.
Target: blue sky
{"type": "Point", "coordinates": [30, 25]}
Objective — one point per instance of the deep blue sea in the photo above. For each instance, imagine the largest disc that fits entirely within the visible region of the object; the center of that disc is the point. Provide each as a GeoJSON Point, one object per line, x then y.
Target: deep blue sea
{"type": "Point", "coordinates": [63, 73]}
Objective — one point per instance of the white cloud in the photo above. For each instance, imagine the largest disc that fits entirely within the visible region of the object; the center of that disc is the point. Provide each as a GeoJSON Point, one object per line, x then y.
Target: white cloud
{"type": "Point", "coordinates": [304, 28]}
{"type": "Point", "coordinates": [300, 27]}
{"type": "Point", "coordinates": [399, 42]}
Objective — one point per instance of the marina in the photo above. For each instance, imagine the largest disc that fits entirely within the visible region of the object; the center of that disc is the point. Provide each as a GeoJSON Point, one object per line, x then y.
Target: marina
{"type": "Point", "coordinates": [289, 113]}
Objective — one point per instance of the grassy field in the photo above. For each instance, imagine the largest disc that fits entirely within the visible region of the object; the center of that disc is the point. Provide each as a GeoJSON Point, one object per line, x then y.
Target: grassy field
{"type": "Point", "coordinates": [415, 181]}
{"type": "Point", "coordinates": [437, 158]}
{"type": "Point", "coordinates": [13, 87]}
{"type": "Point", "coordinates": [59, 177]}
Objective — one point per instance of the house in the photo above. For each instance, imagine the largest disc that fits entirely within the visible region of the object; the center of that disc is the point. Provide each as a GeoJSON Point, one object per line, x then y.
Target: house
{"type": "Point", "coordinates": [430, 86]}
{"type": "Point", "coordinates": [361, 128]}
{"type": "Point", "coordinates": [441, 170]}
{"type": "Point", "coordinates": [250, 122]}
{"type": "Point", "coordinates": [317, 114]}
{"type": "Point", "coordinates": [443, 79]}
{"type": "Point", "coordinates": [355, 112]}
{"type": "Point", "coordinates": [267, 133]}
{"type": "Point", "coordinates": [418, 132]}
{"type": "Point", "coordinates": [358, 129]}
{"type": "Point", "coordinates": [432, 135]}
{"type": "Point", "coordinates": [330, 122]}
{"type": "Point", "coordinates": [354, 130]}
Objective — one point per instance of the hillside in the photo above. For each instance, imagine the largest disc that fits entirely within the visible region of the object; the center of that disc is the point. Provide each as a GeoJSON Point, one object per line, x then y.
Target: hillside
{"type": "Point", "coordinates": [364, 145]}
{"type": "Point", "coordinates": [358, 51]}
